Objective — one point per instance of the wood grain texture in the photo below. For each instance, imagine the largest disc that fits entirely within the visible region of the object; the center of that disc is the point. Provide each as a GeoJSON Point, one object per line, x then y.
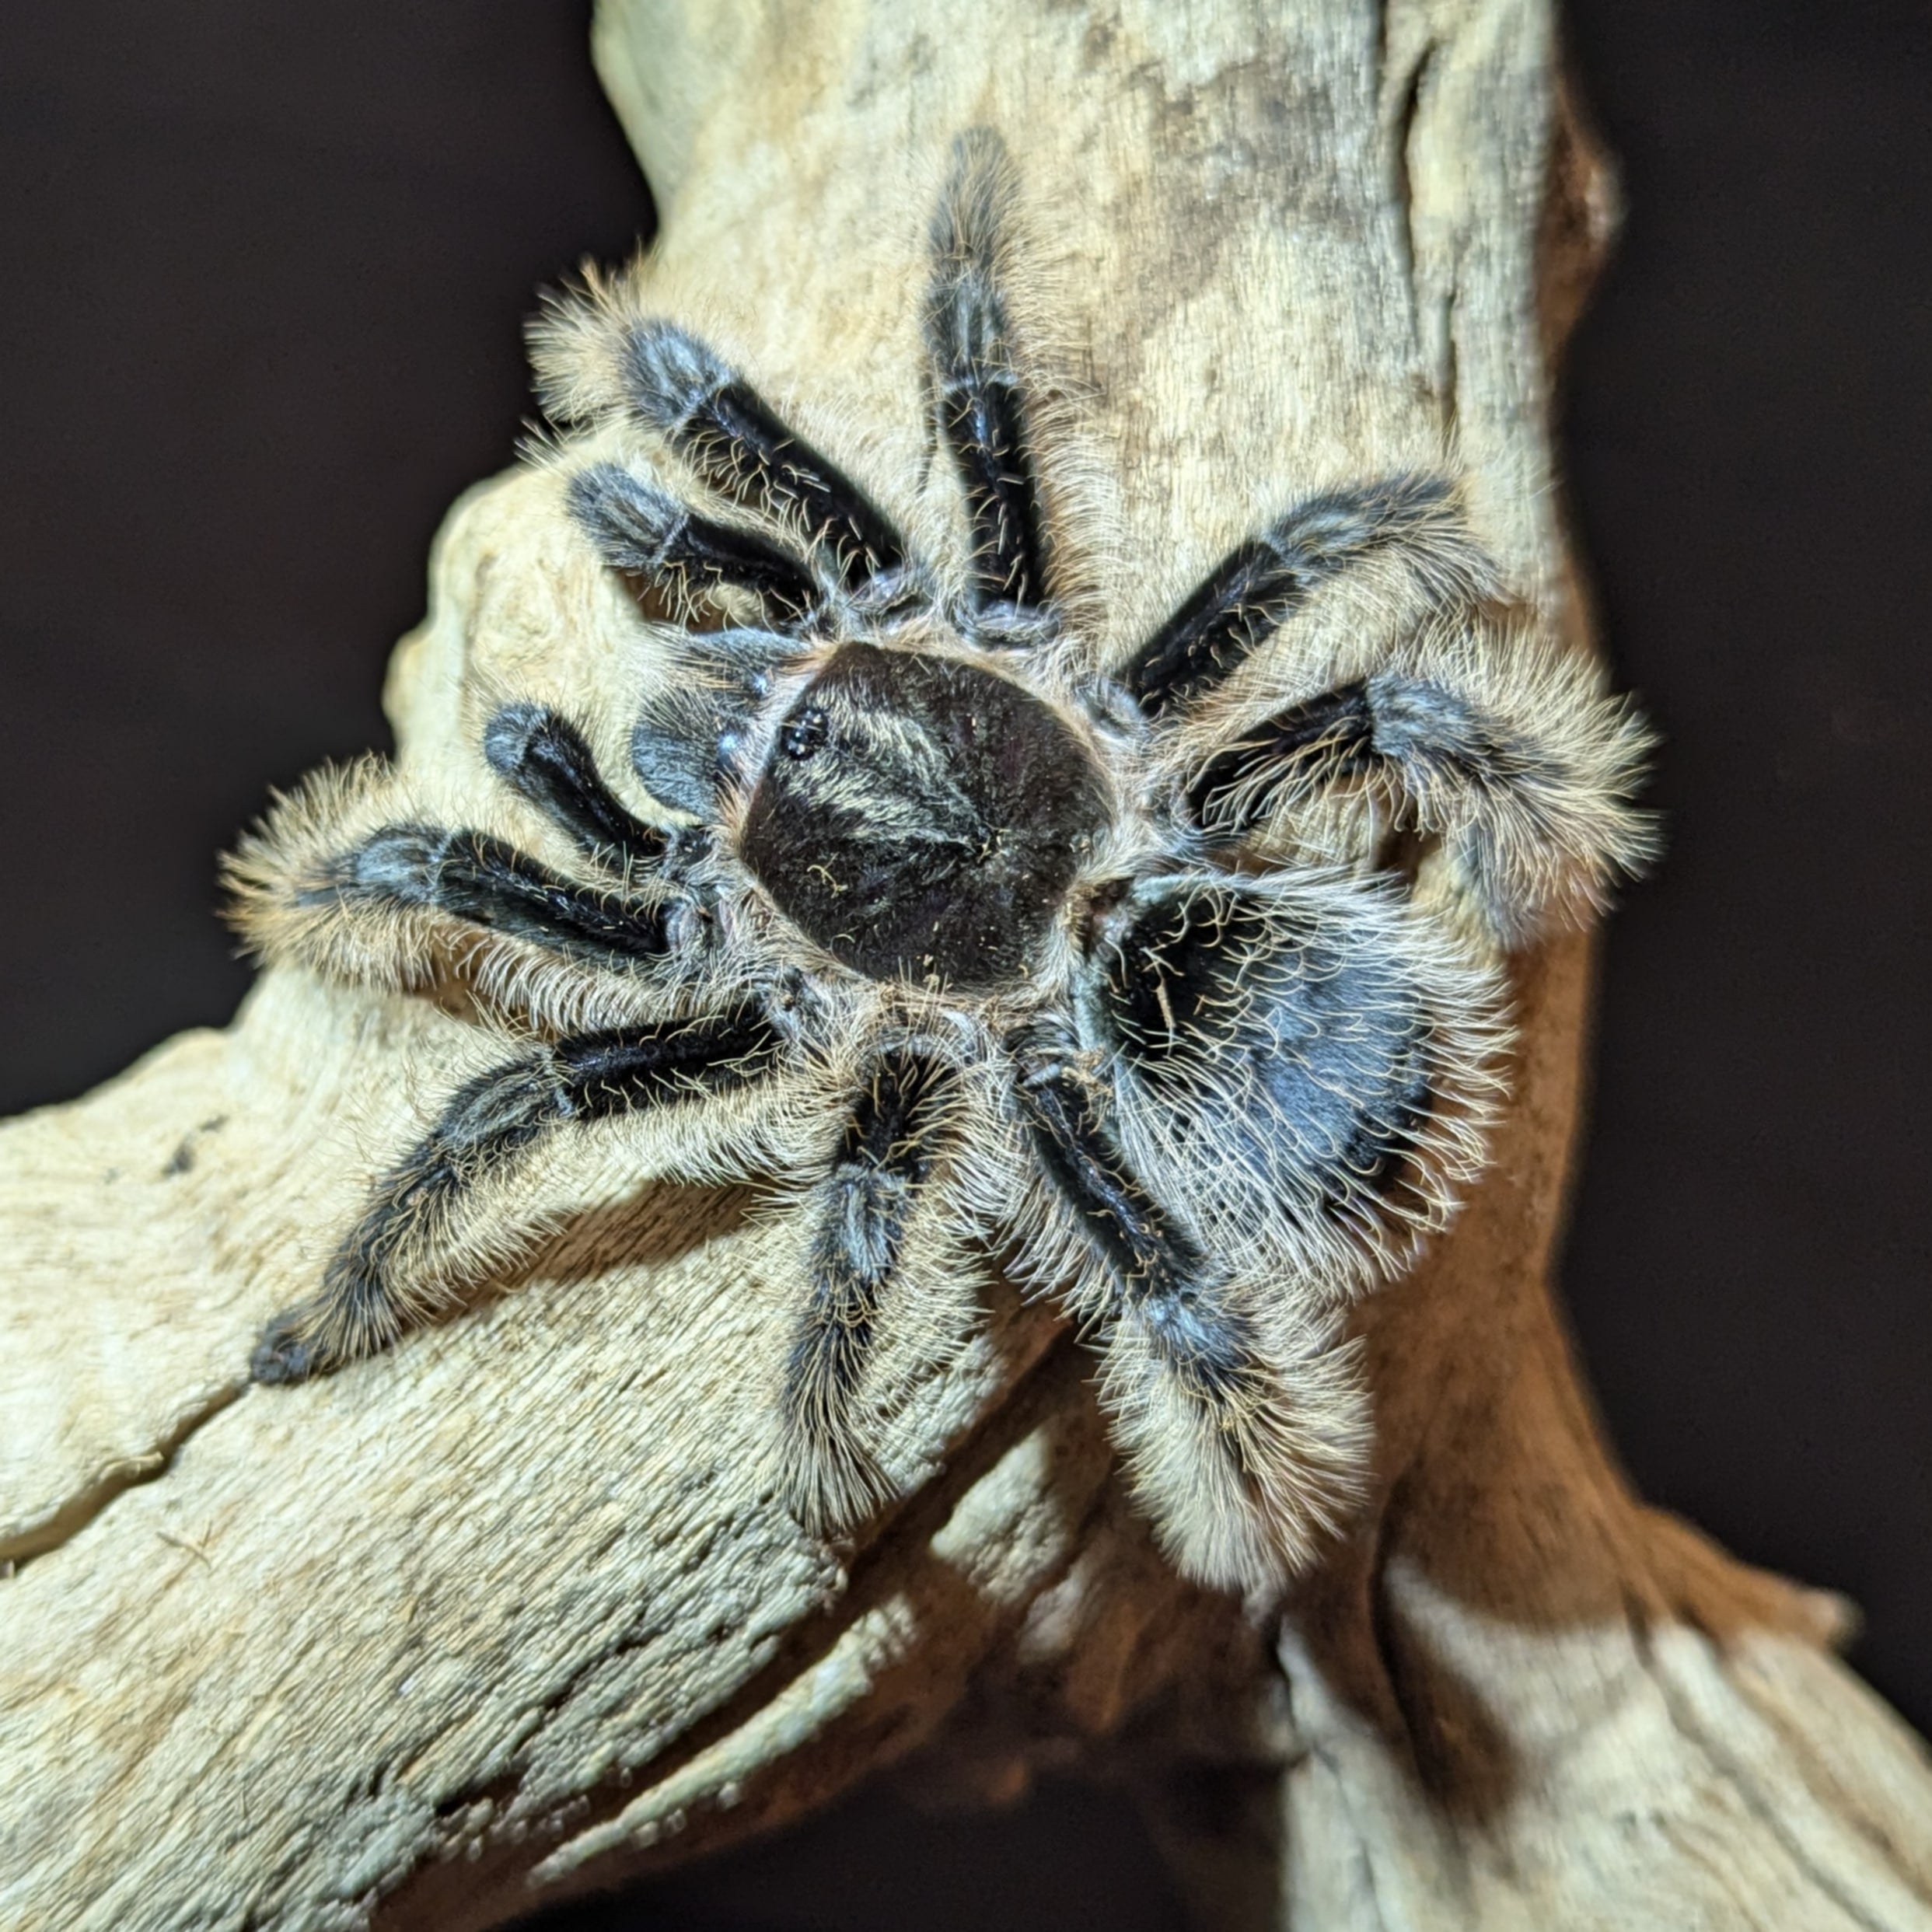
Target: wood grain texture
{"type": "Point", "coordinates": [514, 1609]}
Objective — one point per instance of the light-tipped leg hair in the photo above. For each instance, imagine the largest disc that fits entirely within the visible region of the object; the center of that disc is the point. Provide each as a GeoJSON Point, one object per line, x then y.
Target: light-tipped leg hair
{"type": "Point", "coordinates": [642, 529]}
{"type": "Point", "coordinates": [486, 881]}
{"type": "Point", "coordinates": [446, 1212]}
{"type": "Point", "coordinates": [981, 404]}
{"type": "Point", "coordinates": [545, 759]}
{"type": "Point", "coordinates": [349, 876]}
{"type": "Point", "coordinates": [895, 1139]}
{"type": "Point", "coordinates": [1244, 1451]}
{"type": "Point", "coordinates": [1514, 756]}
{"type": "Point", "coordinates": [739, 446]}
{"type": "Point", "coordinates": [1261, 584]}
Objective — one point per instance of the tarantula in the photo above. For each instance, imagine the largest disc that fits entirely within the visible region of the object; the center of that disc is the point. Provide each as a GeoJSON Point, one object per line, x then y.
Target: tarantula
{"type": "Point", "coordinates": [968, 938]}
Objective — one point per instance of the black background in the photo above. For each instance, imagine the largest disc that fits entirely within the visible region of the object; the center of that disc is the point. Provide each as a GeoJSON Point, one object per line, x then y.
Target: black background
{"type": "Point", "coordinates": [266, 270]}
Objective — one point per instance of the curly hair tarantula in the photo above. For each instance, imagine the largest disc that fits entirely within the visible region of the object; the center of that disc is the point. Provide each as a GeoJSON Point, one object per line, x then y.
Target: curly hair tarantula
{"type": "Point", "coordinates": [970, 939]}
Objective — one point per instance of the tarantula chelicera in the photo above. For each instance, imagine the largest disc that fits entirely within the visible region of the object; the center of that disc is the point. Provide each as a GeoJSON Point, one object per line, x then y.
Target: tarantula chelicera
{"type": "Point", "coordinates": [969, 939]}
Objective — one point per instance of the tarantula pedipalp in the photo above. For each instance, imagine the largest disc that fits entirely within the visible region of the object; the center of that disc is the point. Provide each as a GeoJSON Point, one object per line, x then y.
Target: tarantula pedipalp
{"type": "Point", "coordinates": [968, 938]}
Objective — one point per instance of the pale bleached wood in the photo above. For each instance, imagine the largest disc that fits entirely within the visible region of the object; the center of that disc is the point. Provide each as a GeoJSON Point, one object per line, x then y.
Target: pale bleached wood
{"type": "Point", "coordinates": [514, 1609]}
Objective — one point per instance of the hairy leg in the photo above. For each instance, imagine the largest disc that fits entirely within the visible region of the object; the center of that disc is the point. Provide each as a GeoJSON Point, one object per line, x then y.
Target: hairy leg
{"type": "Point", "coordinates": [894, 1140]}
{"type": "Point", "coordinates": [485, 881]}
{"type": "Point", "coordinates": [982, 407]}
{"type": "Point", "coordinates": [713, 418]}
{"type": "Point", "coordinates": [1243, 1422]}
{"type": "Point", "coordinates": [1155, 1266]}
{"type": "Point", "coordinates": [1258, 586]}
{"type": "Point", "coordinates": [345, 879]}
{"type": "Point", "coordinates": [691, 729]}
{"type": "Point", "coordinates": [1313, 1054]}
{"type": "Point", "coordinates": [444, 1212]}
{"type": "Point", "coordinates": [1245, 1436]}
{"type": "Point", "coordinates": [544, 758]}
{"type": "Point", "coordinates": [639, 527]}
{"type": "Point", "coordinates": [1514, 755]}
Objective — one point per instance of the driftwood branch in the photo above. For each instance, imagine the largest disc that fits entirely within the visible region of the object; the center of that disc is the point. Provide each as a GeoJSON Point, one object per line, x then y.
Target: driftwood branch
{"type": "Point", "coordinates": [514, 1609]}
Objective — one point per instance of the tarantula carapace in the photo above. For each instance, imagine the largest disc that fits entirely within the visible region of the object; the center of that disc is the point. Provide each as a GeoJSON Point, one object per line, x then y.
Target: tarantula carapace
{"type": "Point", "coordinates": [968, 938]}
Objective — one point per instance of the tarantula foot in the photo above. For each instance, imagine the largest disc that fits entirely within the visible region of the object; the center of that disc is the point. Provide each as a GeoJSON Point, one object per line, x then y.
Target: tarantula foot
{"type": "Point", "coordinates": [286, 1354]}
{"type": "Point", "coordinates": [831, 1487]}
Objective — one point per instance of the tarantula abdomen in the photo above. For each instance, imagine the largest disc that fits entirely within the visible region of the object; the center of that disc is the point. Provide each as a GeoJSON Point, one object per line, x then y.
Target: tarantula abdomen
{"type": "Point", "coordinates": [1301, 1052]}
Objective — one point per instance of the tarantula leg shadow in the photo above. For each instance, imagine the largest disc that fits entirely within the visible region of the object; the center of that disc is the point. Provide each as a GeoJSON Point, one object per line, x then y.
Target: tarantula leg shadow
{"type": "Point", "coordinates": [421, 1234]}
{"type": "Point", "coordinates": [894, 1140]}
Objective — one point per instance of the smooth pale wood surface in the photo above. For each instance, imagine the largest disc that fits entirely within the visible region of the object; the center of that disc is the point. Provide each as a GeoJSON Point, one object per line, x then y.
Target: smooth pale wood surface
{"type": "Point", "coordinates": [514, 1609]}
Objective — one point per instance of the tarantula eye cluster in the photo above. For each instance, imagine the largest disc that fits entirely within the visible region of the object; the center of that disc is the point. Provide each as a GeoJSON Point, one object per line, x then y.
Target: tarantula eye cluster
{"type": "Point", "coordinates": [978, 942]}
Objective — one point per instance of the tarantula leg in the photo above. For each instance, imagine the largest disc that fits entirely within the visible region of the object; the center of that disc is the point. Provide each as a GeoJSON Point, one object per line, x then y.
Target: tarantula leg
{"type": "Point", "coordinates": [445, 1211]}
{"type": "Point", "coordinates": [894, 1140]}
{"type": "Point", "coordinates": [1325, 741]}
{"type": "Point", "coordinates": [641, 529]}
{"type": "Point", "coordinates": [981, 405]}
{"type": "Point", "coordinates": [486, 882]}
{"type": "Point", "coordinates": [1533, 796]}
{"type": "Point", "coordinates": [740, 446]}
{"type": "Point", "coordinates": [1244, 1450]}
{"type": "Point", "coordinates": [1158, 1272]}
{"type": "Point", "coordinates": [1261, 583]}
{"type": "Point", "coordinates": [1156, 1267]}
{"type": "Point", "coordinates": [544, 758]}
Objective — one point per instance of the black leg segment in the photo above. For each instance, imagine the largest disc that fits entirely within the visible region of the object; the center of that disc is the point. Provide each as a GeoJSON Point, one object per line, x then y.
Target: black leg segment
{"type": "Point", "coordinates": [1429, 741]}
{"type": "Point", "coordinates": [893, 1141]}
{"type": "Point", "coordinates": [1259, 585]}
{"type": "Point", "coordinates": [411, 1237]}
{"type": "Point", "coordinates": [485, 881]}
{"type": "Point", "coordinates": [1525, 774]}
{"type": "Point", "coordinates": [743, 450]}
{"type": "Point", "coordinates": [982, 409]}
{"type": "Point", "coordinates": [638, 529]}
{"type": "Point", "coordinates": [544, 758]}
{"type": "Point", "coordinates": [1326, 740]}
{"type": "Point", "coordinates": [1158, 1269]}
